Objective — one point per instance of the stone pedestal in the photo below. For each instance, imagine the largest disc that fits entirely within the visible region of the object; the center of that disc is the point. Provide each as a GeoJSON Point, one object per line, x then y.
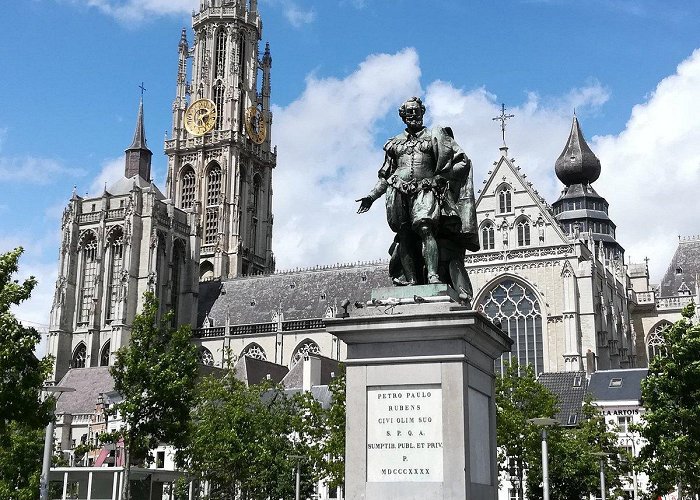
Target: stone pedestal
{"type": "Point", "coordinates": [421, 419]}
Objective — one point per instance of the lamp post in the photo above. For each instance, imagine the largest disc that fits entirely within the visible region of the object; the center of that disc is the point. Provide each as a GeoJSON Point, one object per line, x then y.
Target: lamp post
{"type": "Point", "coordinates": [544, 422]}
{"type": "Point", "coordinates": [631, 440]}
{"type": "Point", "coordinates": [48, 443]}
{"type": "Point", "coordinates": [298, 479]}
{"type": "Point", "coordinates": [602, 456]}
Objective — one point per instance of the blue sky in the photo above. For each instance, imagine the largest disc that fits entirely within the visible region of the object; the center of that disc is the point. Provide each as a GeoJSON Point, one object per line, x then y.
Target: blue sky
{"type": "Point", "coordinates": [71, 70]}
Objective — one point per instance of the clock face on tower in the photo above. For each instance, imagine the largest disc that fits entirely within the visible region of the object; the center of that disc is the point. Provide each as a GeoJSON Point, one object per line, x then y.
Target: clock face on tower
{"type": "Point", "coordinates": [200, 117]}
{"type": "Point", "coordinates": [255, 125]}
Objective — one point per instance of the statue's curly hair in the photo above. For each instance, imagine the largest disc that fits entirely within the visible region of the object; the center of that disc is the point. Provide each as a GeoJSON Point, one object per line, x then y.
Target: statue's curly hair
{"type": "Point", "coordinates": [402, 109]}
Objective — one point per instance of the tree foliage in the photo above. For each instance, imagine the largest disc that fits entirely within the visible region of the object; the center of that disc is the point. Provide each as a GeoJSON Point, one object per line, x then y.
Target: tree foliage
{"type": "Point", "coordinates": [574, 468]}
{"type": "Point", "coordinates": [155, 375]}
{"type": "Point", "coordinates": [243, 440]}
{"type": "Point", "coordinates": [23, 414]}
{"type": "Point", "coordinates": [671, 400]}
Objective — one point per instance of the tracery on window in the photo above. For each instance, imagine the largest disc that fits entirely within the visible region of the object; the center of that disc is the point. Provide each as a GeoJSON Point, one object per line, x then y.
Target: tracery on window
{"type": "Point", "coordinates": [187, 188]}
{"type": "Point", "coordinates": [504, 201]}
{"type": "Point", "coordinates": [656, 344]}
{"type": "Point", "coordinates": [516, 307]}
{"type": "Point", "coordinates": [220, 54]}
{"type": "Point", "coordinates": [89, 275]}
{"type": "Point", "coordinates": [218, 95]}
{"type": "Point", "coordinates": [79, 356]}
{"type": "Point", "coordinates": [214, 185]}
{"type": "Point", "coordinates": [256, 192]}
{"type": "Point", "coordinates": [254, 351]}
{"type": "Point", "coordinates": [205, 356]}
{"type": "Point", "coordinates": [303, 349]}
{"type": "Point", "coordinates": [487, 237]}
{"type": "Point", "coordinates": [116, 264]}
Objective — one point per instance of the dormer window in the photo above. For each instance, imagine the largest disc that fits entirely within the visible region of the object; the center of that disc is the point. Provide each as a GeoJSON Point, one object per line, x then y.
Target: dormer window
{"type": "Point", "coordinates": [615, 383]}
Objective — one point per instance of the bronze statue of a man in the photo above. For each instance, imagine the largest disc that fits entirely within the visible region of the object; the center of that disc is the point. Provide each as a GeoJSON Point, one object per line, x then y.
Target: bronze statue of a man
{"type": "Point", "coordinates": [430, 205]}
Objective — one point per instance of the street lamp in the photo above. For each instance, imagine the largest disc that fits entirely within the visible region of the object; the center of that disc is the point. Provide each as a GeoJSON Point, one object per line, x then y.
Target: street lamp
{"type": "Point", "coordinates": [544, 422]}
{"type": "Point", "coordinates": [631, 440]}
{"type": "Point", "coordinates": [298, 482]}
{"type": "Point", "coordinates": [48, 442]}
{"type": "Point", "coordinates": [602, 456]}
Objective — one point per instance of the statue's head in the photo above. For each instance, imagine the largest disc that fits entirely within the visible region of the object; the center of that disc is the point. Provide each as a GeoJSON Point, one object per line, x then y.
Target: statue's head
{"type": "Point", "coordinates": [411, 112]}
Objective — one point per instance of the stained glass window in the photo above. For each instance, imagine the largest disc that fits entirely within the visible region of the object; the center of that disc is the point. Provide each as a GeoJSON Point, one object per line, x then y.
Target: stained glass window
{"type": "Point", "coordinates": [516, 308]}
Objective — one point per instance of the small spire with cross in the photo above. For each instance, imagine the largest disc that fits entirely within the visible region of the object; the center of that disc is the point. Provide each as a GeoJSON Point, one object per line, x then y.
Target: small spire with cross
{"type": "Point", "coordinates": [502, 118]}
{"type": "Point", "coordinates": [143, 89]}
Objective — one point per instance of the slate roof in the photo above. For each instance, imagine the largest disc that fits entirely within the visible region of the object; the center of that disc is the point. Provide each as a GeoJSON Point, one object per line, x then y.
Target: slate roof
{"type": "Point", "coordinates": [570, 389]}
{"type": "Point", "coordinates": [88, 383]}
{"type": "Point", "coordinates": [683, 268]}
{"type": "Point", "coordinates": [321, 393]}
{"type": "Point", "coordinates": [126, 184]}
{"type": "Point", "coordinates": [298, 295]}
{"type": "Point", "coordinates": [294, 379]}
{"type": "Point", "coordinates": [628, 389]}
{"type": "Point", "coordinates": [253, 371]}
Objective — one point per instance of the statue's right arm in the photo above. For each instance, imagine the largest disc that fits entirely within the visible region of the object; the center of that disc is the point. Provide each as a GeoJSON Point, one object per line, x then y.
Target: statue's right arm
{"type": "Point", "coordinates": [382, 183]}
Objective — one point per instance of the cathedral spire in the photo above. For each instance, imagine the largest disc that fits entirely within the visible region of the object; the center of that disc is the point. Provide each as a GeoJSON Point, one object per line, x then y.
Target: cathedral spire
{"type": "Point", "coordinates": [138, 156]}
{"type": "Point", "coordinates": [577, 164]}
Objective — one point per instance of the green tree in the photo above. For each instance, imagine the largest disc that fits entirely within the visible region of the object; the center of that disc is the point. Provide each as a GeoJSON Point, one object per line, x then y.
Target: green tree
{"type": "Point", "coordinates": [671, 400]}
{"type": "Point", "coordinates": [155, 375]}
{"type": "Point", "coordinates": [574, 461]}
{"type": "Point", "coordinates": [574, 468]}
{"type": "Point", "coordinates": [243, 440]}
{"type": "Point", "coordinates": [23, 414]}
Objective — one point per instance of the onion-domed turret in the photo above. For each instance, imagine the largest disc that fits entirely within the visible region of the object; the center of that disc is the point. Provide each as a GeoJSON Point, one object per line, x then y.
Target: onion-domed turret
{"type": "Point", "coordinates": [577, 164]}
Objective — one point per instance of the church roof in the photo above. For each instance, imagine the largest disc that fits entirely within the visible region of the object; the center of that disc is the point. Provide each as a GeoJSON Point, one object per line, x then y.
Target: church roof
{"type": "Point", "coordinates": [88, 383]}
{"type": "Point", "coordinates": [683, 268]}
{"type": "Point", "coordinates": [126, 184]}
{"type": "Point", "coordinates": [577, 164]}
{"type": "Point", "coordinates": [139, 141]}
{"type": "Point", "coordinates": [301, 294]}
{"type": "Point", "coordinates": [570, 390]}
{"type": "Point", "coordinates": [295, 378]}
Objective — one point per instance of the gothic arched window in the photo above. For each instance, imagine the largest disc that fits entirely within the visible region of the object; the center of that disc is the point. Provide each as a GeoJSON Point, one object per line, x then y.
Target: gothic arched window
{"type": "Point", "coordinates": [220, 54]}
{"type": "Point", "coordinates": [254, 351]}
{"type": "Point", "coordinates": [523, 230]}
{"type": "Point", "coordinates": [517, 308]}
{"type": "Point", "coordinates": [304, 348]}
{"type": "Point", "coordinates": [656, 345]}
{"type": "Point", "coordinates": [487, 236]}
{"type": "Point", "coordinates": [104, 354]}
{"type": "Point", "coordinates": [218, 95]}
{"type": "Point", "coordinates": [205, 356]}
{"type": "Point", "coordinates": [116, 264]}
{"type": "Point", "coordinates": [89, 265]}
{"type": "Point", "coordinates": [79, 356]}
{"type": "Point", "coordinates": [257, 184]}
{"type": "Point", "coordinates": [206, 271]}
{"type": "Point", "coordinates": [504, 201]}
{"type": "Point", "coordinates": [211, 222]}
{"type": "Point", "coordinates": [178, 265]}
{"type": "Point", "coordinates": [187, 187]}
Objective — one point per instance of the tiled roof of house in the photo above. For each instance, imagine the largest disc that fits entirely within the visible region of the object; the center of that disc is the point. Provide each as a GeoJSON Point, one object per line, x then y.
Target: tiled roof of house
{"type": "Point", "coordinates": [253, 371]}
{"type": "Point", "coordinates": [570, 390]}
{"type": "Point", "coordinates": [88, 383]}
{"type": "Point", "coordinates": [617, 385]}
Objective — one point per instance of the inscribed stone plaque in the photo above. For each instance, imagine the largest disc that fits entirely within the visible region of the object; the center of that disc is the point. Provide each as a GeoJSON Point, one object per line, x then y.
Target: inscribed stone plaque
{"type": "Point", "coordinates": [404, 433]}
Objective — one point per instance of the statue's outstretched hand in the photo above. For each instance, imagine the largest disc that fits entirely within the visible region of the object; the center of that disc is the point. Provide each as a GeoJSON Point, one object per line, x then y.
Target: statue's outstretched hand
{"type": "Point", "coordinates": [365, 203]}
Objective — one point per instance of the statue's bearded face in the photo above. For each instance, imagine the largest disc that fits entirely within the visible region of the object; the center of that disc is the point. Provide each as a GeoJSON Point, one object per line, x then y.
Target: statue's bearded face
{"type": "Point", "coordinates": [413, 115]}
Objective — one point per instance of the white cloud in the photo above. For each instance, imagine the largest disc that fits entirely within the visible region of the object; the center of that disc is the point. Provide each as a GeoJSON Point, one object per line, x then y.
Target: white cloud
{"type": "Point", "coordinates": [34, 170]}
{"type": "Point", "coordinates": [297, 16]}
{"type": "Point", "coordinates": [651, 170]}
{"type": "Point", "coordinates": [328, 157]}
{"type": "Point", "coordinates": [112, 170]}
{"type": "Point", "coordinates": [138, 10]}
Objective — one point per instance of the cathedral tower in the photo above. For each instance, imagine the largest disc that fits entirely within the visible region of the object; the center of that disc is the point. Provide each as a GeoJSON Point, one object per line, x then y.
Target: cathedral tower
{"type": "Point", "coordinates": [220, 158]}
{"type": "Point", "coordinates": [579, 209]}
